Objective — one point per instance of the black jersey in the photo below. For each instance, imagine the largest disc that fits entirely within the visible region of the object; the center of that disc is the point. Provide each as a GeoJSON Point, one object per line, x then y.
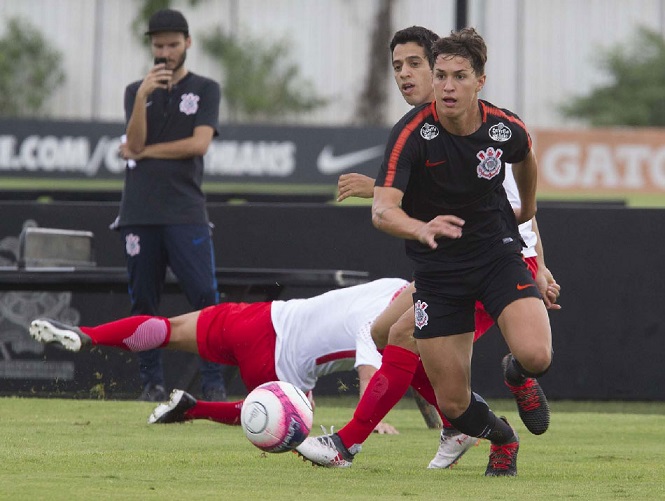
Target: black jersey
{"type": "Point", "coordinates": [441, 173]}
{"type": "Point", "coordinates": [161, 191]}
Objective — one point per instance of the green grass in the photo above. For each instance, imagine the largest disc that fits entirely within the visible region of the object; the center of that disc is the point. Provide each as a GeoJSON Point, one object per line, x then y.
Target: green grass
{"type": "Point", "coordinates": [83, 449]}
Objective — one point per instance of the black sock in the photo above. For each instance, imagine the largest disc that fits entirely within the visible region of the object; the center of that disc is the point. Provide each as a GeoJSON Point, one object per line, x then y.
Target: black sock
{"type": "Point", "coordinates": [479, 421]}
{"type": "Point", "coordinates": [514, 372]}
{"type": "Point", "coordinates": [516, 375]}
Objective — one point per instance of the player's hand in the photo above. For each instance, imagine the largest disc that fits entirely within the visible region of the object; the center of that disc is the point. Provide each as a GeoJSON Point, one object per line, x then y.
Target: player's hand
{"type": "Point", "coordinates": [441, 226]}
{"type": "Point", "coordinates": [385, 429]}
{"type": "Point", "coordinates": [548, 287]}
{"type": "Point", "coordinates": [354, 185]}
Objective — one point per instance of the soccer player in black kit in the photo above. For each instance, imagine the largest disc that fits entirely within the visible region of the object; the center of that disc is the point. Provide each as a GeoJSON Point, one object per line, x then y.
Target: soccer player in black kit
{"type": "Point", "coordinates": [440, 188]}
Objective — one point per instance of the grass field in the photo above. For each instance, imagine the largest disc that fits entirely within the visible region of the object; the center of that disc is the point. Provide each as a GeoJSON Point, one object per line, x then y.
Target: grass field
{"type": "Point", "coordinates": [84, 449]}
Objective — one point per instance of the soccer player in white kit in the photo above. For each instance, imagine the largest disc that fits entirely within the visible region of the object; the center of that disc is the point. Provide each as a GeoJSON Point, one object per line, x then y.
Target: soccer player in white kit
{"type": "Point", "coordinates": [296, 341]}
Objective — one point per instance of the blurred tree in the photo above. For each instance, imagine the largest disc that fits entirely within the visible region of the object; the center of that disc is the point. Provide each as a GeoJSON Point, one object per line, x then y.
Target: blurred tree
{"type": "Point", "coordinates": [635, 95]}
{"type": "Point", "coordinates": [259, 82]}
{"type": "Point", "coordinates": [30, 70]}
{"type": "Point", "coordinates": [372, 102]}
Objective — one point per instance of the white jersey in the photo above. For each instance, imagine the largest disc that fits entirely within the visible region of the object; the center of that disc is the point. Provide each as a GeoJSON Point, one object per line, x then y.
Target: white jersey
{"type": "Point", "coordinates": [526, 229]}
{"type": "Point", "coordinates": [330, 332]}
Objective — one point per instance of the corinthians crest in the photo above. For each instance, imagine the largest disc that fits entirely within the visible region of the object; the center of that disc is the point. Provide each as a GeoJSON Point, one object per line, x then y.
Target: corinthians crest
{"type": "Point", "coordinates": [421, 314]}
{"type": "Point", "coordinates": [189, 103]}
{"type": "Point", "coordinates": [428, 131]}
{"type": "Point", "coordinates": [490, 163]}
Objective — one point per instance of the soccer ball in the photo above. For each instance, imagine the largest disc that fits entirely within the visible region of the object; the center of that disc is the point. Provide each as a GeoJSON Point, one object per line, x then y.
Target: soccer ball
{"type": "Point", "coordinates": [276, 416]}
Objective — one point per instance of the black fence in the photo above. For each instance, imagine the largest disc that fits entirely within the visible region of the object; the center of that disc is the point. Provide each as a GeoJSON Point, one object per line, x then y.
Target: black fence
{"type": "Point", "coordinates": [608, 338]}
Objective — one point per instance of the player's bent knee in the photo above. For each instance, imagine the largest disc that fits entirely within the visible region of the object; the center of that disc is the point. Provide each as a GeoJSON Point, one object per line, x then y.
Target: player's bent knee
{"type": "Point", "coordinates": [379, 336]}
{"type": "Point", "coordinates": [537, 366]}
{"type": "Point", "coordinates": [402, 337]}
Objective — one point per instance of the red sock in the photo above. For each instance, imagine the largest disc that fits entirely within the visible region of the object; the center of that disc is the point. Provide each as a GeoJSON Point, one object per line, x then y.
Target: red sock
{"type": "Point", "coordinates": [139, 333]}
{"type": "Point", "coordinates": [423, 386]}
{"type": "Point", "coordinates": [220, 412]}
{"type": "Point", "coordinates": [387, 386]}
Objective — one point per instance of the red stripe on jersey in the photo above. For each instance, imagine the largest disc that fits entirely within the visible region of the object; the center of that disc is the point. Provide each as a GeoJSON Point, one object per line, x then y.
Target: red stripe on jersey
{"type": "Point", "coordinates": [401, 141]}
{"type": "Point", "coordinates": [435, 115]}
{"type": "Point", "coordinates": [398, 292]}
{"type": "Point", "coordinates": [491, 110]}
{"type": "Point", "coordinates": [336, 356]}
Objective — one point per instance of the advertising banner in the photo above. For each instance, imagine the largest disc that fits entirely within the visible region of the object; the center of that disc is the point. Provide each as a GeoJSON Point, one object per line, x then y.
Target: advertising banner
{"type": "Point", "coordinates": [617, 161]}
{"type": "Point", "coordinates": [240, 154]}
{"type": "Point", "coordinates": [612, 162]}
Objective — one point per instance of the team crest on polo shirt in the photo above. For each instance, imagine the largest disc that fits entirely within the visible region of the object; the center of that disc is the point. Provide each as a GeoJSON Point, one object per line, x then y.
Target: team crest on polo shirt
{"type": "Point", "coordinates": [428, 131]}
{"type": "Point", "coordinates": [500, 132]}
{"type": "Point", "coordinates": [421, 314]}
{"type": "Point", "coordinates": [490, 163]}
{"type": "Point", "coordinates": [189, 103]}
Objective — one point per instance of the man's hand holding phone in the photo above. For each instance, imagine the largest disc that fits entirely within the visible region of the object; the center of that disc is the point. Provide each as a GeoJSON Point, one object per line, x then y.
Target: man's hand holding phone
{"type": "Point", "coordinates": [161, 72]}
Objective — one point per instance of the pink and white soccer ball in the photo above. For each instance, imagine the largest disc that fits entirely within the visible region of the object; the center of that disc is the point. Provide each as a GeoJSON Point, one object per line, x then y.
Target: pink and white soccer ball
{"type": "Point", "coordinates": [276, 416]}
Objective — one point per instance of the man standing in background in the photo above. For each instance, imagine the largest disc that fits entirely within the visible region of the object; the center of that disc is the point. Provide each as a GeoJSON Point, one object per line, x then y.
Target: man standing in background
{"type": "Point", "coordinates": [172, 116]}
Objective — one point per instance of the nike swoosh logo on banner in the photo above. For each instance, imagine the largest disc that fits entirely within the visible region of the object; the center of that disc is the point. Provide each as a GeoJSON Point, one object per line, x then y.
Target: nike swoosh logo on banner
{"type": "Point", "coordinates": [327, 163]}
{"type": "Point", "coordinates": [521, 287]}
{"type": "Point", "coordinates": [433, 164]}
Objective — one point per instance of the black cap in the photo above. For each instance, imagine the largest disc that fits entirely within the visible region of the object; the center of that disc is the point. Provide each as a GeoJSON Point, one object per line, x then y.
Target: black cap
{"type": "Point", "coordinates": [167, 20]}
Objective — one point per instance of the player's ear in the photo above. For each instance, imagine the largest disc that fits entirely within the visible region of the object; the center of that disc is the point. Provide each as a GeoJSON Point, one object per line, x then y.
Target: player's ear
{"type": "Point", "coordinates": [481, 83]}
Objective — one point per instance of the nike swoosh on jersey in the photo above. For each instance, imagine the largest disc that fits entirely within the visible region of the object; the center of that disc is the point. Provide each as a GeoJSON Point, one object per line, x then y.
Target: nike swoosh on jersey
{"type": "Point", "coordinates": [434, 164]}
{"type": "Point", "coordinates": [327, 163]}
{"type": "Point", "coordinates": [521, 287]}
{"type": "Point", "coordinates": [149, 103]}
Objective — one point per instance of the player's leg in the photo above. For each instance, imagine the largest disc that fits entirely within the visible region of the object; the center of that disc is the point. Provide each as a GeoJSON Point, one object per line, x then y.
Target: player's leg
{"type": "Point", "coordinates": [524, 323]}
{"type": "Point", "coordinates": [226, 333]}
{"type": "Point", "coordinates": [444, 334]}
{"type": "Point", "coordinates": [525, 326]}
{"type": "Point", "coordinates": [386, 387]}
{"type": "Point", "coordinates": [182, 407]}
{"type": "Point", "coordinates": [380, 333]}
{"type": "Point", "coordinates": [138, 333]}
{"type": "Point", "coordinates": [453, 444]}
{"type": "Point", "coordinates": [447, 361]}
{"type": "Point", "coordinates": [389, 317]}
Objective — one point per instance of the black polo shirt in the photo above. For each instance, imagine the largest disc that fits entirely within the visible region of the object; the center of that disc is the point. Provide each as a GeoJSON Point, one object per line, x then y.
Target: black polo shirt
{"type": "Point", "coordinates": [169, 191]}
{"type": "Point", "coordinates": [441, 173]}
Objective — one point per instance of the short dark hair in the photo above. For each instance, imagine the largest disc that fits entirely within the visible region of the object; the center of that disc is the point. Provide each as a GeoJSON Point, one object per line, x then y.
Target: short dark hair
{"type": "Point", "coordinates": [422, 36]}
{"type": "Point", "coordinates": [466, 43]}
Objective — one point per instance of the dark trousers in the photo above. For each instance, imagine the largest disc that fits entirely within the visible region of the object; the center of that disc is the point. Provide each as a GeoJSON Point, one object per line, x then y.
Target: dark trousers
{"type": "Point", "coordinates": [187, 250]}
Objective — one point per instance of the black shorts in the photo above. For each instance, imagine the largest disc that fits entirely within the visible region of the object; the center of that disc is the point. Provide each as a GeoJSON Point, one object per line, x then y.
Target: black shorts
{"type": "Point", "coordinates": [445, 302]}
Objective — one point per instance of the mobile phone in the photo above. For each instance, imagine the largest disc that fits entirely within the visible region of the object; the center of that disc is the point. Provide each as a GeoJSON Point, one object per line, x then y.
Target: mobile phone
{"type": "Point", "coordinates": [159, 60]}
